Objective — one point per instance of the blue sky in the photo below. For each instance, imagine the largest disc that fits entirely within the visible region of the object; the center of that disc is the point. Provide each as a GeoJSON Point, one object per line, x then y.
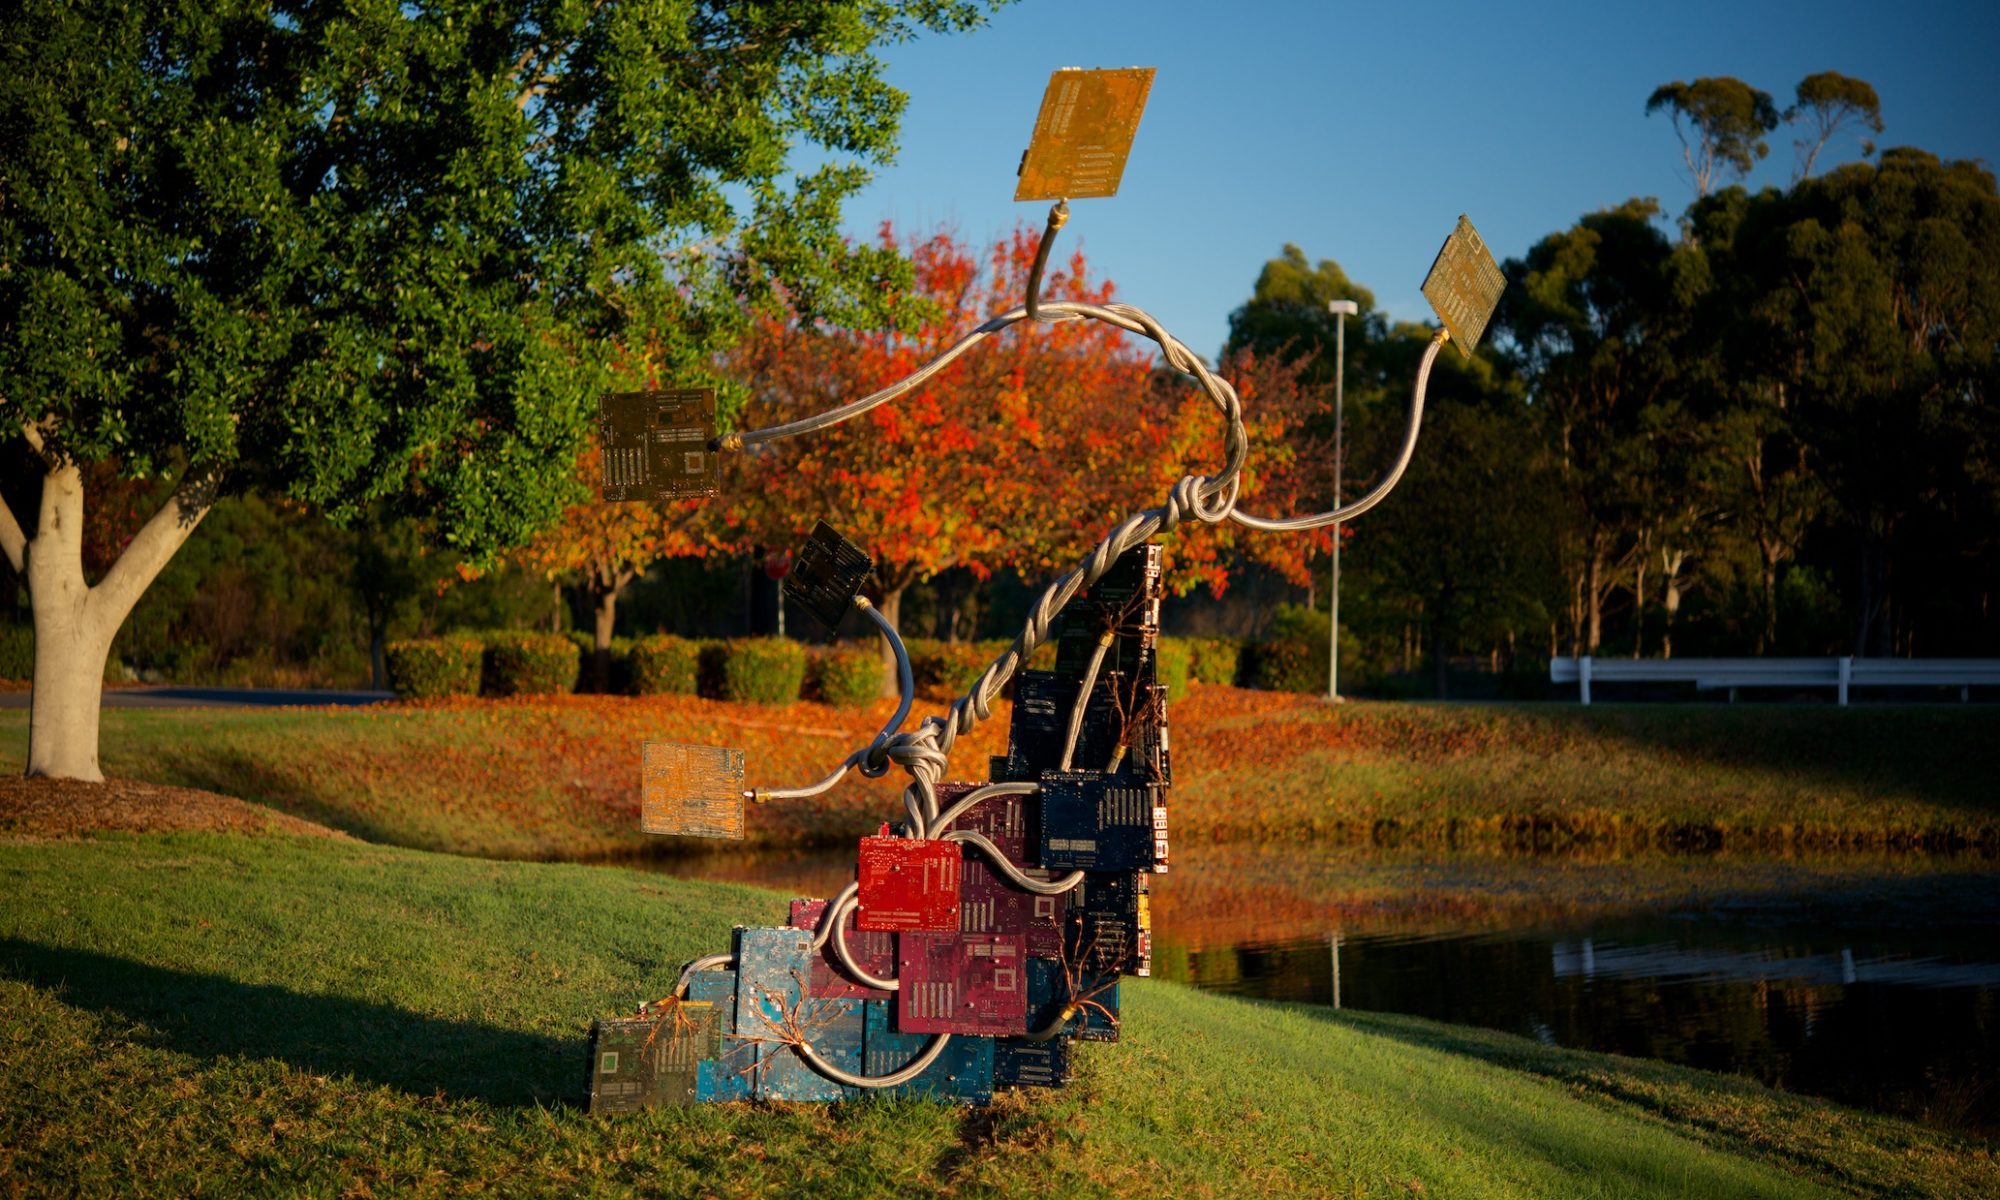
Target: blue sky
{"type": "Point", "coordinates": [1361, 132]}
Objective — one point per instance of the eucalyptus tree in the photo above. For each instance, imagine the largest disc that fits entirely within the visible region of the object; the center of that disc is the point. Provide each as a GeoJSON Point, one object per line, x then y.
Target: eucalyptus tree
{"type": "Point", "coordinates": [1830, 103]}
{"type": "Point", "coordinates": [1589, 321]}
{"type": "Point", "coordinates": [384, 253]}
{"type": "Point", "coordinates": [1721, 122]}
{"type": "Point", "coordinates": [1886, 279]}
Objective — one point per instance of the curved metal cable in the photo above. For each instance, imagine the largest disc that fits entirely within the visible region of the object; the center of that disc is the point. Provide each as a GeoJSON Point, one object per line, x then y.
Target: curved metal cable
{"type": "Point", "coordinates": [1388, 484]}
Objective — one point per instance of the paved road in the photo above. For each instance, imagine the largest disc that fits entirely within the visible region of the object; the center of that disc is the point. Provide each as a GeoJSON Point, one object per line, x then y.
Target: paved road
{"type": "Point", "coordinates": [207, 697]}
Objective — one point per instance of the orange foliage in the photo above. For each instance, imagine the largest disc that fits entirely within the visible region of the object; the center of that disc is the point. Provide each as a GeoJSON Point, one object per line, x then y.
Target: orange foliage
{"type": "Point", "coordinates": [1024, 451]}
{"type": "Point", "coordinates": [609, 544]}
{"type": "Point", "coordinates": [1021, 453]}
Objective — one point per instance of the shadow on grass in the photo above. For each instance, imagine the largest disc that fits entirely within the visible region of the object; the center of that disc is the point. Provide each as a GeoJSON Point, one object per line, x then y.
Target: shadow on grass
{"type": "Point", "coordinates": [214, 1017]}
{"type": "Point", "coordinates": [1945, 755]}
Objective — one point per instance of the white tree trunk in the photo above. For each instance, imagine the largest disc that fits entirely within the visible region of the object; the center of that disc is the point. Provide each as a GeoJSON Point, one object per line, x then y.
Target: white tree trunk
{"type": "Point", "coordinates": [74, 622]}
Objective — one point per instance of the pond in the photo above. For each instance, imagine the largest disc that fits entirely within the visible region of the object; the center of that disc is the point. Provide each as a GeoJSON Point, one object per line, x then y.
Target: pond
{"type": "Point", "coordinates": [1870, 979]}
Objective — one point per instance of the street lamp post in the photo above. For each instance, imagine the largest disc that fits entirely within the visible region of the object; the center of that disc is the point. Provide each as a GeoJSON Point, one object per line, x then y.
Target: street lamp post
{"type": "Point", "coordinates": [1341, 310]}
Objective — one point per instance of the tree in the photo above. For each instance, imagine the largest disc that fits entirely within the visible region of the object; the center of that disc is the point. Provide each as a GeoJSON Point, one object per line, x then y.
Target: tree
{"type": "Point", "coordinates": [1018, 454]}
{"type": "Point", "coordinates": [1286, 327]}
{"type": "Point", "coordinates": [1469, 539]}
{"type": "Point", "coordinates": [1831, 102]}
{"type": "Point", "coordinates": [1287, 317]}
{"type": "Point", "coordinates": [607, 546]}
{"type": "Point", "coordinates": [1721, 123]}
{"type": "Point", "coordinates": [363, 255]}
{"type": "Point", "coordinates": [1589, 319]}
{"type": "Point", "coordinates": [1887, 279]}
{"type": "Point", "coordinates": [959, 472]}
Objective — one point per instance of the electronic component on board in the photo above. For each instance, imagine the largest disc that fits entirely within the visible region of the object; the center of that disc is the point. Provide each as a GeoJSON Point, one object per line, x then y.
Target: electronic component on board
{"type": "Point", "coordinates": [908, 883]}
{"type": "Point", "coordinates": [1125, 602]}
{"type": "Point", "coordinates": [873, 951]}
{"type": "Point", "coordinates": [643, 1062]}
{"type": "Point", "coordinates": [696, 791]}
{"type": "Point", "coordinates": [1083, 133]}
{"type": "Point", "coordinates": [962, 1072]}
{"type": "Point", "coordinates": [827, 575]}
{"type": "Point", "coordinates": [1101, 823]}
{"type": "Point", "coordinates": [1018, 1063]}
{"type": "Point", "coordinates": [1091, 995]}
{"type": "Point", "coordinates": [655, 445]}
{"type": "Point", "coordinates": [1464, 286]}
{"type": "Point", "coordinates": [971, 983]}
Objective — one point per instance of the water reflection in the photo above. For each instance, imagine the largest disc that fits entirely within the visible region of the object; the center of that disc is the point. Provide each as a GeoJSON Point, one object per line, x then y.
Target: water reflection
{"type": "Point", "coordinates": [1873, 980]}
{"type": "Point", "coordinates": [1907, 1025]}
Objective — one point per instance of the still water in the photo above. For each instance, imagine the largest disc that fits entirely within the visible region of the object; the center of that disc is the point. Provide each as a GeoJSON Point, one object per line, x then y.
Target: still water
{"type": "Point", "coordinates": [1871, 980]}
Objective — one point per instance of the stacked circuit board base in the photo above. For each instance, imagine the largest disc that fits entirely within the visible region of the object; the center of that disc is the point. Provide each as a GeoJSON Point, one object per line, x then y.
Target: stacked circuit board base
{"type": "Point", "coordinates": [1012, 977]}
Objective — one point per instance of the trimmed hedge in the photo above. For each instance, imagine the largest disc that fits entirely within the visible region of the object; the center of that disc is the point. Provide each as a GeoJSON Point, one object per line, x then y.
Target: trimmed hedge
{"type": "Point", "coordinates": [762, 670]}
{"type": "Point", "coordinates": [1291, 665]}
{"type": "Point", "coordinates": [665, 666]}
{"type": "Point", "coordinates": [17, 652]}
{"type": "Point", "coordinates": [529, 664]}
{"type": "Point", "coordinates": [1216, 660]}
{"type": "Point", "coordinates": [1172, 658]}
{"type": "Point", "coordinates": [846, 676]}
{"type": "Point", "coordinates": [427, 668]}
{"type": "Point", "coordinates": [952, 666]}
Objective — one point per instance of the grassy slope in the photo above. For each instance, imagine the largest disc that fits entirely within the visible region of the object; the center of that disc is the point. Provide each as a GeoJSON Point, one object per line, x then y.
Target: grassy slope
{"type": "Point", "coordinates": [203, 1014]}
{"type": "Point", "coordinates": [559, 778]}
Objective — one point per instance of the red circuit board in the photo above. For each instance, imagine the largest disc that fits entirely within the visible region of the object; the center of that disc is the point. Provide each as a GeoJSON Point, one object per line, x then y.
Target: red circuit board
{"type": "Point", "coordinates": [908, 883]}
{"type": "Point", "coordinates": [1004, 819]}
{"type": "Point", "coordinates": [875, 952]}
{"type": "Point", "coordinates": [990, 904]}
{"type": "Point", "coordinates": [962, 983]}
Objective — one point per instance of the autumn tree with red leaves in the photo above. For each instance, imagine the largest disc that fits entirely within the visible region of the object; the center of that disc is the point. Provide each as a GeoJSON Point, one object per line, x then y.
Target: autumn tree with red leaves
{"type": "Point", "coordinates": [1016, 453]}
{"type": "Point", "coordinates": [1022, 452]}
{"type": "Point", "coordinates": [607, 546]}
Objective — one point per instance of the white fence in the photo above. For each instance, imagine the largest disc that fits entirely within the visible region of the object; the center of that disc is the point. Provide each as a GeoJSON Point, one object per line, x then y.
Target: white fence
{"type": "Point", "coordinates": [1732, 673]}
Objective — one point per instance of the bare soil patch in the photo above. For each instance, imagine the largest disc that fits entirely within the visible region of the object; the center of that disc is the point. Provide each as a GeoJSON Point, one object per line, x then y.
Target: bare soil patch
{"type": "Point", "coordinates": [67, 808]}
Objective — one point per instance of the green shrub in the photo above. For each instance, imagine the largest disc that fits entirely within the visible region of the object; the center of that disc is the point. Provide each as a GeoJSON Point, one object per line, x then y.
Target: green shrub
{"type": "Point", "coordinates": [846, 676]}
{"type": "Point", "coordinates": [1172, 659]}
{"type": "Point", "coordinates": [529, 664]}
{"type": "Point", "coordinates": [1216, 660]}
{"type": "Point", "coordinates": [665, 666]}
{"type": "Point", "coordinates": [952, 666]}
{"type": "Point", "coordinates": [1290, 665]}
{"type": "Point", "coordinates": [763, 670]}
{"type": "Point", "coordinates": [17, 652]}
{"type": "Point", "coordinates": [426, 668]}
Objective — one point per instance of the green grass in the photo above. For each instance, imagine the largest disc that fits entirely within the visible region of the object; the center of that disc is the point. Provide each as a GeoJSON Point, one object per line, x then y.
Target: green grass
{"type": "Point", "coordinates": [559, 779]}
{"type": "Point", "coordinates": [208, 1015]}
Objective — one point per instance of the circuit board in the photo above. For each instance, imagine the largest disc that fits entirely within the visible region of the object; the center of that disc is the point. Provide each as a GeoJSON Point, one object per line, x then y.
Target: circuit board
{"type": "Point", "coordinates": [873, 951]}
{"type": "Point", "coordinates": [908, 884]}
{"type": "Point", "coordinates": [694, 791]}
{"type": "Point", "coordinates": [970, 983]}
{"type": "Point", "coordinates": [655, 445]}
{"type": "Point", "coordinates": [827, 575]}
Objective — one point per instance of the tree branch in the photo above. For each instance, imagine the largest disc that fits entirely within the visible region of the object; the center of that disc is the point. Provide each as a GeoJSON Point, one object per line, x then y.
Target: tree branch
{"type": "Point", "coordinates": [33, 431]}
{"type": "Point", "coordinates": [156, 542]}
{"type": "Point", "coordinates": [12, 540]}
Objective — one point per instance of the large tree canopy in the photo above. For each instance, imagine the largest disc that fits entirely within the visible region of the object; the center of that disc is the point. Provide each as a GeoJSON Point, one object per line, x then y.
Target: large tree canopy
{"type": "Point", "coordinates": [342, 250]}
{"type": "Point", "coordinates": [386, 252]}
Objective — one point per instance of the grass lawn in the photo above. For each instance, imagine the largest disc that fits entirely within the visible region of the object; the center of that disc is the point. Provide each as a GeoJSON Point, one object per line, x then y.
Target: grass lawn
{"type": "Point", "coordinates": [558, 778]}
{"type": "Point", "coordinates": [214, 1014]}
